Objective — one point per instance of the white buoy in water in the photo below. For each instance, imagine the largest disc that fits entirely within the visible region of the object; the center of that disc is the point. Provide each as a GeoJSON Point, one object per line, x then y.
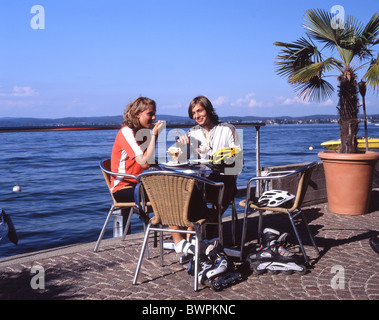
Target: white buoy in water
{"type": "Point", "coordinates": [310, 148]}
{"type": "Point", "coordinates": [16, 188]}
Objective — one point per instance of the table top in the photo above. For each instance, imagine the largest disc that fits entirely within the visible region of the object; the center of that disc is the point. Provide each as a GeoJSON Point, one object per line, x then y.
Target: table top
{"type": "Point", "coordinates": [190, 167]}
{"type": "Point", "coordinates": [197, 167]}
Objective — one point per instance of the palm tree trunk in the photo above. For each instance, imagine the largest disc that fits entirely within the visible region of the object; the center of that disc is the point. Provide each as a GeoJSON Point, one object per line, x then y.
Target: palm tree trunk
{"type": "Point", "coordinates": [348, 135]}
{"type": "Point", "coordinates": [348, 111]}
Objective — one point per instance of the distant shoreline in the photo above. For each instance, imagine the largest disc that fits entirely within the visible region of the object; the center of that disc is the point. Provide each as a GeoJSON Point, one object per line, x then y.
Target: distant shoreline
{"type": "Point", "coordinates": [77, 128]}
{"type": "Point", "coordinates": [30, 129]}
{"type": "Point", "coordinates": [9, 124]}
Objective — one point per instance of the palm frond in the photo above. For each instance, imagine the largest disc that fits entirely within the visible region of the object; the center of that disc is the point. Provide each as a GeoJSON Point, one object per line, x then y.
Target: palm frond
{"type": "Point", "coordinates": [371, 31]}
{"type": "Point", "coordinates": [372, 75]}
{"type": "Point", "coordinates": [295, 56]}
{"type": "Point", "coordinates": [314, 90]}
{"type": "Point", "coordinates": [347, 55]}
{"type": "Point", "coordinates": [318, 24]}
{"type": "Point", "coordinates": [316, 69]}
{"type": "Point", "coordinates": [362, 38]}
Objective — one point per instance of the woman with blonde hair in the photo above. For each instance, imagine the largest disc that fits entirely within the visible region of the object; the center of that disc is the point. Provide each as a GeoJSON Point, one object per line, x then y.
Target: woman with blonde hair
{"type": "Point", "coordinates": [134, 147]}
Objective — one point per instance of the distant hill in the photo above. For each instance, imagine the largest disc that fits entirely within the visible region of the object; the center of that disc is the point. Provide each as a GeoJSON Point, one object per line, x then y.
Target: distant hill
{"type": "Point", "coordinates": [115, 121]}
{"type": "Point", "coordinates": [78, 121]}
{"type": "Point", "coordinates": [71, 121]}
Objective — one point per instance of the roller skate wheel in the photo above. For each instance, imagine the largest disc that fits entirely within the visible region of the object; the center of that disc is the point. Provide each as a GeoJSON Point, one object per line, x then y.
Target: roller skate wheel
{"type": "Point", "coordinates": [288, 272]}
{"type": "Point", "coordinates": [270, 271]}
{"type": "Point", "coordinates": [215, 286]}
{"type": "Point", "coordinates": [254, 268]}
{"type": "Point", "coordinates": [303, 271]}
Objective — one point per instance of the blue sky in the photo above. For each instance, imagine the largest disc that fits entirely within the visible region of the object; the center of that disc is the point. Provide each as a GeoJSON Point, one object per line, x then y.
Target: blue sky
{"type": "Point", "coordinates": [95, 56]}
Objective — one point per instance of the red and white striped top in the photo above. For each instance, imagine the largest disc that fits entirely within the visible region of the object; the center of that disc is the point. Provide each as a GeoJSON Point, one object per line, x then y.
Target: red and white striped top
{"type": "Point", "coordinates": [125, 149]}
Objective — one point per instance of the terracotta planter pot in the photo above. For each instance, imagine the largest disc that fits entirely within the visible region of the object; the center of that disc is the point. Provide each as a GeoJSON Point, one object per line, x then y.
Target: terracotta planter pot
{"type": "Point", "coordinates": [348, 180]}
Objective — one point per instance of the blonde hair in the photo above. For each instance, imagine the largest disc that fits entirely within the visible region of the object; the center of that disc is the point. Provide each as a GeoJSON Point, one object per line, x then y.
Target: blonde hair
{"type": "Point", "coordinates": [132, 109]}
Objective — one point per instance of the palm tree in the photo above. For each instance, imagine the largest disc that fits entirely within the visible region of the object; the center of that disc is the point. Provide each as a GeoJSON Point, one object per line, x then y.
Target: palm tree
{"type": "Point", "coordinates": [347, 51]}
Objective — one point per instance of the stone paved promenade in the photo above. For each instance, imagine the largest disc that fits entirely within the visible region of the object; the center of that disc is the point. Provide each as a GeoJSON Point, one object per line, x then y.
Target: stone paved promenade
{"type": "Point", "coordinates": [347, 268]}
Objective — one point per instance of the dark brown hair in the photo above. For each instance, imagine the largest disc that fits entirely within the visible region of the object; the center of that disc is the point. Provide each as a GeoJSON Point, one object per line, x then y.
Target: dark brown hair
{"type": "Point", "coordinates": [207, 105]}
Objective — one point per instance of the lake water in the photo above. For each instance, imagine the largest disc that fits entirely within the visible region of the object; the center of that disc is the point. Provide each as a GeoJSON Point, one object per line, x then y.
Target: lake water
{"type": "Point", "coordinates": [64, 199]}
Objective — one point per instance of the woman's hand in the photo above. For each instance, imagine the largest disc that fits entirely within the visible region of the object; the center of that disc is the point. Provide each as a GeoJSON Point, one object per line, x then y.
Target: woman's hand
{"type": "Point", "coordinates": [182, 140]}
{"type": "Point", "coordinates": [158, 127]}
{"type": "Point", "coordinates": [148, 156]}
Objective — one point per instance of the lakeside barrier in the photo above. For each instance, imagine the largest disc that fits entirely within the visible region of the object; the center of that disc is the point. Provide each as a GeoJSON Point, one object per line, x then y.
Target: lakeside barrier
{"type": "Point", "coordinates": [55, 128]}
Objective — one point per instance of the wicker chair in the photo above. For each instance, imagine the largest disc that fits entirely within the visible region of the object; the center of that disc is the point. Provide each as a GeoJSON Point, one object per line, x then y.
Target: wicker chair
{"type": "Point", "coordinates": [304, 174]}
{"type": "Point", "coordinates": [105, 166]}
{"type": "Point", "coordinates": [170, 193]}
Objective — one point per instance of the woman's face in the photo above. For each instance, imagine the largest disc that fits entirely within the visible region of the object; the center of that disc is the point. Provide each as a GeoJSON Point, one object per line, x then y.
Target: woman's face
{"type": "Point", "coordinates": [147, 117]}
{"type": "Point", "coordinates": [199, 114]}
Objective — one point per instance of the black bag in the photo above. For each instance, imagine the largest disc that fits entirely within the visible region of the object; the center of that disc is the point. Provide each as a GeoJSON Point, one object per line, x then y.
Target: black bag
{"type": "Point", "coordinates": [6, 222]}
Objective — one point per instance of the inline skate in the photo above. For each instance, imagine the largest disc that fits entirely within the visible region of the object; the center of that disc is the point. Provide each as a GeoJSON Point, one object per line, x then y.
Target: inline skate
{"type": "Point", "coordinates": [272, 256]}
{"type": "Point", "coordinates": [217, 269]}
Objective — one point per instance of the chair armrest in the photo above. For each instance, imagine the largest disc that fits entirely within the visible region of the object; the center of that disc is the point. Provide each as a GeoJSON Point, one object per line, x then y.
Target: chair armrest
{"type": "Point", "coordinates": [276, 175]}
{"type": "Point", "coordinates": [116, 174]}
{"type": "Point", "coordinates": [280, 173]}
{"type": "Point", "coordinates": [268, 177]}
{"type": "Point", "coordinates": [273, 175]}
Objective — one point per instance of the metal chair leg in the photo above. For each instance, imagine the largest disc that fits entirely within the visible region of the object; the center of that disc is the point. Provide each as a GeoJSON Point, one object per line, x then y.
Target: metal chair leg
{"type": "Point", "coordinates": [103, 229]}
{"type": "Point", "coordinates": [260, 226]}
{"type": "Point", "coordinates": [155, 243]}
{"type": "Point", "coordinates": [131, 212]}
{"type": "Point", "coordinates": [142, 253]}
{"type": "Point", "coordinates": [147, 241]}
{"type": "Point", "coordinates": [298, 238]}
{"type": "Point", "coordinates": [310, 234]}
{"type": "Point", "coordinates": [244, 229]}
{"type": "Point", "coordinates": [161, 246]}
{"type": "Point", "coordinates": [234, 221]}
{"type": "Point", "coordinates": [197, 254]}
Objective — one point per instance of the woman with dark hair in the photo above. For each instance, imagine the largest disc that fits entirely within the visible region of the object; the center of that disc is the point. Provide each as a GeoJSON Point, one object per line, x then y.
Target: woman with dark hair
{"type": "Point", "coordinates": [209, 136]}
{"type": "Point", "coordinates": [204, 139]}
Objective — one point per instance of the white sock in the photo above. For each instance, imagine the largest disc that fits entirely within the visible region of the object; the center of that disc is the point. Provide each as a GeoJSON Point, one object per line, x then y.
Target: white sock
{"type": "Point", "coordinates": [184, 247]}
